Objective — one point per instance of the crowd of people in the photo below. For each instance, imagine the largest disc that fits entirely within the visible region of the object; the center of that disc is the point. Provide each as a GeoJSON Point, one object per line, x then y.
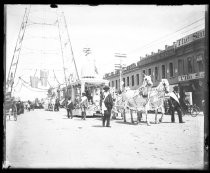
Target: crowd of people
{"type": "Point", "coordinates": [106, 102]}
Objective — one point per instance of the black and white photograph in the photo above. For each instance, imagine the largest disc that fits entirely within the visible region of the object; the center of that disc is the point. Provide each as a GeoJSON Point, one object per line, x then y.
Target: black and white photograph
{"type": "Point", "coordinates": [105, 86]}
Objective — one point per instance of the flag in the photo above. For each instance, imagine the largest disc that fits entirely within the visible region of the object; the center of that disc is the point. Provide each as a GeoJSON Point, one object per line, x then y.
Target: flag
{"type": "Point", "coordinates": [96, 70]}
{"type": "Point", "coordinates": [34, 81]}
{"type": "Point", "coordinates": [43, 77]}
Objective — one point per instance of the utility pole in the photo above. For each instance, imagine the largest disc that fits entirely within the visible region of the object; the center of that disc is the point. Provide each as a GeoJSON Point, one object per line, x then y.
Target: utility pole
{"type": "Point", "coordinates": [120, 66]}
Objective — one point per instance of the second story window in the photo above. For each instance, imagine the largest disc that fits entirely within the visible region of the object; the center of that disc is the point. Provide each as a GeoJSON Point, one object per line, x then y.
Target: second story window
{"type": "Point", "coordinates": [171, 69]}
{"type": "Point", "coordinates": [112, 83]}
{"type": "Point", "coordinates": [132, 80]}
{"type": "Point", "coordinates": [137, 79]}
{"type": "Point", "coordinates": [123, 82]}
{"type": "Point", "coordinates": [143, 73]}
{"type": "Point", "coordinates": [163, 72]}
{"type": "Point", "coordinates": [189, 65]}
{"type": "Point", "coordinates": [156, 73]}
{"type": "Point", "coordinates": [180, 67]}
{"type": "Point", "coordinates": [200, 63]}
{"type": "Point", "coordinates": [149, 71]}
{"type": "Point", "coordinates": [128, 81]}
{"type": "Point", "coordinates": [116, 84]}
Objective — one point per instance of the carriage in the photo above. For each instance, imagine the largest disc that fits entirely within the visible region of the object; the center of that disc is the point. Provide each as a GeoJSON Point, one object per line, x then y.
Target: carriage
{"type": "Point", "coordinates": [10, 106]}
{"type": "Point", "coordinates": [92, 87]}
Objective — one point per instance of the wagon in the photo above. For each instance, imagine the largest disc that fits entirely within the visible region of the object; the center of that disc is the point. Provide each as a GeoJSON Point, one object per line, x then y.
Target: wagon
{"type": "Point", "coordinates": [10, 106]}
{"type": "Point", "coordinates": [92, 88]}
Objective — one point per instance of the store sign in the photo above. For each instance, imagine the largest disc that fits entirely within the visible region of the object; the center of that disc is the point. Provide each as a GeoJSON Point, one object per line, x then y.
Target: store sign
{"type": "Point", "coordinates": [190, 38]}
{"type": "Point", "coordinates": [191, 76]}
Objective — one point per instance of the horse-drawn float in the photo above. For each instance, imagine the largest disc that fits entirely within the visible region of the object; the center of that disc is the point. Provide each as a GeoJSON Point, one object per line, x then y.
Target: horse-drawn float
{"type": "Point", "coordinates": [92, 87]}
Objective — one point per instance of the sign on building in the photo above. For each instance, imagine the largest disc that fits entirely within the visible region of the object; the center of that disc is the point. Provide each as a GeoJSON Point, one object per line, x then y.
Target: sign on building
{"type": "Point", "coordinates": [191, 76]}
{"type": "Point", "coordinates": [190, 38]}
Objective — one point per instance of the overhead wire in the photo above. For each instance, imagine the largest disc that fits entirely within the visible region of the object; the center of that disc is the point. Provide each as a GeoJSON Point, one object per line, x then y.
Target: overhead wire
{"type": "Point", "coordinates": [167, 35]}
{"type": "Point", "coordinates": [56, 78]}
{"type": "Point", "coordinates": [30, 85]}
{"type": "Point", "coordinates": [162, 41]}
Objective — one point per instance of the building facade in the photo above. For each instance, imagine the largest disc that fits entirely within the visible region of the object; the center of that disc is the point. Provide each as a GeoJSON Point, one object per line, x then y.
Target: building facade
{"type": "Point", "coordinates": [182, 64]}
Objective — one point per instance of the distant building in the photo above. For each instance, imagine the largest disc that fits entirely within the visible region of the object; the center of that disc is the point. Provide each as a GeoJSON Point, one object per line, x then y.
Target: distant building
{"type": "Point", "coordinates": [182, 64]}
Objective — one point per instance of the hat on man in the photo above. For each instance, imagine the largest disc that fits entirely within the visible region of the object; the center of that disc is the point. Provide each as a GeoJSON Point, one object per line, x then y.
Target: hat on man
{"type": "Point", "coordinates": [176, 88]}
{"type": "Point", "coordinates": [106, 88]}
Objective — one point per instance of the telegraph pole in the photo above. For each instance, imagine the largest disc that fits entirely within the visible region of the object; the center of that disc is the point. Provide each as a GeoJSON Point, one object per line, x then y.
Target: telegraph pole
{"type": "Point", "coordinates": [120, 66]}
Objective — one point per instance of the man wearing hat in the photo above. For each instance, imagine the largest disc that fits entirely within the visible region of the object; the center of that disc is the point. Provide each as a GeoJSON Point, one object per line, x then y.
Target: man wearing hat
{"type": "Point", "coordinates": [69, 108]}
{"type": "Point", "coordinates": [174, 105]}
{"type": "Point", "coordinates": [84, 105]}
{"type": "Point", "coordinates": [107, 105]}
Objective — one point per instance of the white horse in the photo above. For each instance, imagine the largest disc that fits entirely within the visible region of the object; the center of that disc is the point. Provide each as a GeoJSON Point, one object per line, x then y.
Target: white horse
{"type": "Point", "coordinates": [157, 98]}
{"type": "Point", "coordinates": [143, 99]}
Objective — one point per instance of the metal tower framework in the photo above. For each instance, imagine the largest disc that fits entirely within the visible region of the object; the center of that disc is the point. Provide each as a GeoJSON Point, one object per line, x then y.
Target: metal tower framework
{"type": "Point", "coordinates": [65, 47]}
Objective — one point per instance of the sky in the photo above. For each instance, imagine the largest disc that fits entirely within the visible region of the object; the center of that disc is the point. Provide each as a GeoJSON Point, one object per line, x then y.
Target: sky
{"type": "Point", "coordinates": [134, 30]}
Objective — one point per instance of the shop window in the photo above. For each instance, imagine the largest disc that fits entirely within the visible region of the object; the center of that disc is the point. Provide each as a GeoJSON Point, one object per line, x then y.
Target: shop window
{"type": "Point", "coordinates": [163, 72]}
{"type": "Point", "coordinates": [180, 67]}
{"type": "Point", "coordinates": [137, 79]}
{"type": "Point", "coordinates": [199, 60]}
{"type": "Point", "coordinates": [123, 82]}
{"type": "Point", "coordinates": [128, 81]}
{"type": "Point", "coordinates": [171, 70]}
{"type": "Point", "coordinates": [143, 73]}
{"type": "Point", "coordinates": [116, 84]}
{"type": "Point", "coordinates": [156, 73]}
{"type": "Point", "coordinates": [132, 80]}
{"type": "Point", "coordinates": [149, 71]}
{"type": "Point", "coordinates": [119, 83]}
{"type": "Point", "coordinates": [189, 65]}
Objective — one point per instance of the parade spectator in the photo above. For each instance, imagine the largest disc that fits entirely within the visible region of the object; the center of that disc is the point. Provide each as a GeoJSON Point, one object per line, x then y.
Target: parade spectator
{"type": "Point", "coordinates": [175, 106]}
{"type": "Point", "coordinates": [57, 104]}
{"type": "Point", "coordinates": [28, 106]}
{"type": "Point", "coordinates": [107, 105]}
{"type": "Point", "coordinates": [18, 108]}
{"type": "Point", "coordinates": [69, 108]}
{"type": "Point", "coordinates": [84, 105]}
{"type": "Point", "coordinates": [22, 107]}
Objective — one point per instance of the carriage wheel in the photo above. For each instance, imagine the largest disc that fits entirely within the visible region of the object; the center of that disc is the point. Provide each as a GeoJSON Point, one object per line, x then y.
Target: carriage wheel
{"type": "Point", "coordinates": [194, 112]}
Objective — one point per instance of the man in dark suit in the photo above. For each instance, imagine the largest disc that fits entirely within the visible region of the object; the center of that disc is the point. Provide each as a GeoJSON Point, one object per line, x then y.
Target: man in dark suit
{"type": "Point", "coordinates": [107, 105]}
{"type": "Point", "coordinates": [175, 106]}
{"type": "Point", "coordinates": [69, 107]}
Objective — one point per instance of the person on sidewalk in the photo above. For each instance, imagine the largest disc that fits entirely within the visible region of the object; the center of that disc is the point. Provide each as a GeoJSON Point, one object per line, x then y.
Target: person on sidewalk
{"type": "Point", "coordinates": [69, 108]}
{"type": "Point", "coordinates": [84, 105]}
{"type": "Point", "coordinates": [175, 106]}
{"type": "Point", "coordinates": [107, 105]}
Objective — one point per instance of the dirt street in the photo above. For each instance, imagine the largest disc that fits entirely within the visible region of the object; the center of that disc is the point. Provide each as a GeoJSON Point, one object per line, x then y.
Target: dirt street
{"type": "Point", "coordinates": [43, 139]}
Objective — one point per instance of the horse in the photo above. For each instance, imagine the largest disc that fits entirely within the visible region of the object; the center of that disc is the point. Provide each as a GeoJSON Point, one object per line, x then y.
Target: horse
{"type": "Point", "coordinates": [144, 98]}
{"type": "Point", "coordinates": [157, 98]}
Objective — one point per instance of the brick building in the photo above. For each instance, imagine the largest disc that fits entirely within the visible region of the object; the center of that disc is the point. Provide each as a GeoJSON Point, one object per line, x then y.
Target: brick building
{"type": "Point", "coordinates": [181, 63]}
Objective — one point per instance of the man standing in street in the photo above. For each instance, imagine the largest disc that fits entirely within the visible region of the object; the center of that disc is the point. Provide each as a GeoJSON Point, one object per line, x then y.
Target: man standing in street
{"type": "Point", "coordinates": [175, 106]}
{"type": "Point", "coordinates": [107, 105]}
{"type": "Point", "coordinates": [84, 105]}
{"type": "Point", "coordinates": [69, 107]}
